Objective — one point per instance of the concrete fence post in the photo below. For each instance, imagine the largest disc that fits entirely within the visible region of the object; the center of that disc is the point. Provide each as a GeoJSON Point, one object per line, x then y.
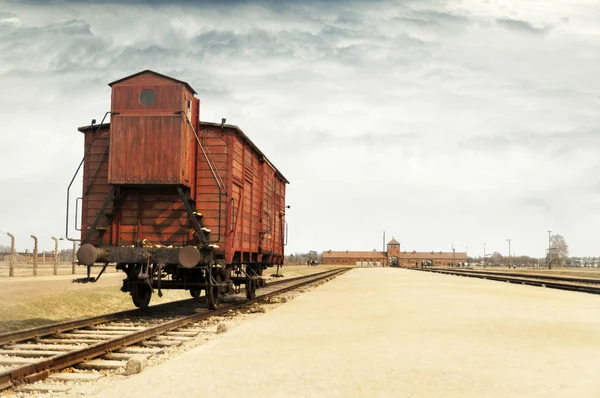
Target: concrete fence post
{"type": "Point", "coordinates": [55, 255]}
{"type": "Point", "coordinates": [74, 259]}
{"type": "Point", "coordinates": [35, 254]}
{"type": "Point", "coordinates": [11, 269]}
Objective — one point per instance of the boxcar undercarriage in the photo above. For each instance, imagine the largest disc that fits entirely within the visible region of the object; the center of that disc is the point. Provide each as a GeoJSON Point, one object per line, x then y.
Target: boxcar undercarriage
{"type": "Point", "coordinates": [150, 269]}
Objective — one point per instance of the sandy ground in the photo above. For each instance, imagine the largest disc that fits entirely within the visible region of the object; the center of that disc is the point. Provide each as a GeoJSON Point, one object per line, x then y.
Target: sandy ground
{"type": "Point", "coordinates": [396, 333]}
{"type": "Point", "coordinates": [28, 301]}
{"type": "Point", "coordinates": [35, 301]}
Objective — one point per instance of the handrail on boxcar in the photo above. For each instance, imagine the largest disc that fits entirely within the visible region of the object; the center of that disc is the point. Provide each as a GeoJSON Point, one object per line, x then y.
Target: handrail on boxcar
{"type": "Point", "coordinates": [220, 184]}
{"type": "Point", "coordinates": [214, 172]}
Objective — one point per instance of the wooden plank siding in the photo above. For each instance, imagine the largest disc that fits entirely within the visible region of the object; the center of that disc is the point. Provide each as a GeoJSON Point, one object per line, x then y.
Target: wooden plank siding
{"type": "Point", "coordinates": [207, 188]}
{"type": "Point", "coordinates": [269, 214]}
{"type": "Point", "coordinates": [147, 150]}
{"type": "Point", "coordinates": [152, 142]}
{"type": "Point", "coordinates": [95, 182]}
{"type": "Point", "coordinates": [252, 212]}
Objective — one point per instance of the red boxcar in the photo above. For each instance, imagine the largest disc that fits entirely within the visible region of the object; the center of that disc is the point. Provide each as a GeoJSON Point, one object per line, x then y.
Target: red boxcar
{"type": "Point", "coordinates": [174, 202]}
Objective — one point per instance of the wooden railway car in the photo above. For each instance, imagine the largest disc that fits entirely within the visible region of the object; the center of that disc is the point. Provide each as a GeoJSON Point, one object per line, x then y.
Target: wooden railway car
{"type": "Point", "coordinates": [174, 202]}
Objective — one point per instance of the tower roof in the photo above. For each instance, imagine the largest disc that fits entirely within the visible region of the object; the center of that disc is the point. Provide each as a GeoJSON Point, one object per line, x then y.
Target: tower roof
{"type": "Point", "coordinates": [393, 242]}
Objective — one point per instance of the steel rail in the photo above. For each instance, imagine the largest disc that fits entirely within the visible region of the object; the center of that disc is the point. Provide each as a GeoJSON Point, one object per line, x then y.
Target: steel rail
{"type": "Point", "coordinates": [539, 281]}
{"type": "Point", "coordinates": [41, 331]}
{"type": "Point", "coordinates": [521, 275]}
{"type": "Point", "coordinates": [41, 369]}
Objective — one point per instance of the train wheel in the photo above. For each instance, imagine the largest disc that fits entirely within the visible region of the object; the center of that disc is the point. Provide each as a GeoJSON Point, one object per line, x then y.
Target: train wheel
{"type": "Point", "coordinates": [250, 289]}
{"type": "Point", "coordinates": [195, 293]}
{"type": "Point", "coordinates": [213, 292]}
{"type": "Point", "coordinates": [141, 294]}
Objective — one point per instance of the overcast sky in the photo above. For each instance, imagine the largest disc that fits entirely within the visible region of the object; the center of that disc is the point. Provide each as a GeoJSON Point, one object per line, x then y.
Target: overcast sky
{"type": "Point", "coordinates": [439, 122]}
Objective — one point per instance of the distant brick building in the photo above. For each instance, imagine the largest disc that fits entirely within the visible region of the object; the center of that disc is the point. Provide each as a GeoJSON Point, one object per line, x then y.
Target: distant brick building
{"type": "Point", "coordinates": [394, 257]}
{"type": "Point", "coordinates": [355, 258]}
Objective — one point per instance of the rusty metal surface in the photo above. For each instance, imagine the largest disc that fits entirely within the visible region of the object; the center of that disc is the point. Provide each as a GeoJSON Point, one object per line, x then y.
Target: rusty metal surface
{"type": "Point", "coordinates": [87, 254]}
{"type": "Point", "coordinates": [40, 369]}
{"type": "Point", "coordinates": [189, 256]}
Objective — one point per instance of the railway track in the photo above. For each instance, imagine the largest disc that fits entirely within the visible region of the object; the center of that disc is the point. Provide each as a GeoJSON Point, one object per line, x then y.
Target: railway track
{"type": "Point", "coordinates": [583, 285]}
{"type": "Point", "coordinates": [34, 354]}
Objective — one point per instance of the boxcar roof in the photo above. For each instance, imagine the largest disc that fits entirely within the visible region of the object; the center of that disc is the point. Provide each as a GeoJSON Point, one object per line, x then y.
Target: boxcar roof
{"type": "Point", "coordinates": [229, 126]}
{"type": "Point", "coordinates": [249, 141]}
{"type": "Point", "coordinates": [157, 74]}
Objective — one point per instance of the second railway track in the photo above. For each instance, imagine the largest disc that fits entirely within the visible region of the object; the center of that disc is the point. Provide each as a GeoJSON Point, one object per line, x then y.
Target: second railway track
{"type": "Point", "coordinates": [30, 355]}
{"type": "Point", "coordinates": [583, 285]}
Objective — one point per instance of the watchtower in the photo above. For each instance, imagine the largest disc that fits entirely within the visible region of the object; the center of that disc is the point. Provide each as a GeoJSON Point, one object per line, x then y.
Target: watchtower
{"type": "Point", "coordinates": [393, 248]}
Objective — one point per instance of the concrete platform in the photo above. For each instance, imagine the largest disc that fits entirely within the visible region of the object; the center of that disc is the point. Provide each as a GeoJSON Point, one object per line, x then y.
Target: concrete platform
{"type": "Point", "coordinates": [386, 332]}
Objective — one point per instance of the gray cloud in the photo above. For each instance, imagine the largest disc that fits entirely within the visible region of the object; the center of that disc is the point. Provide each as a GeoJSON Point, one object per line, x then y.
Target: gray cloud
{"type": "Point", "coordinates": [64, 45]}
{"type": "Point", "coordinates": [6, 15]}
{"type": "Point", "coordinates": [438, 19]}
{"type": "Point", "coordinates": [522, 26]}
{"type": "Point", "coordinates": [555, 144]}
{"type": "Point", "coordinates": [394, 112]}
{"type": "Point", "coordinates": [537, 203]}
{"type": "Point", "coordinates": [272, 4]}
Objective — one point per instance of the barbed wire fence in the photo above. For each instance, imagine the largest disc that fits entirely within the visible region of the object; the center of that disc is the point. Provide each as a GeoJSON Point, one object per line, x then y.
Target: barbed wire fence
{"type": "Point", "coordinates": [27, 263]}
{"type": "Point", "coordinates": [11, 271]}
{"type": "Point", "coordinates": [35, 250]}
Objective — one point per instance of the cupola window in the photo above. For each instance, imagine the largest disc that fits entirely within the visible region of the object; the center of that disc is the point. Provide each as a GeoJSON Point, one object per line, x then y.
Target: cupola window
{"type": "Point", "coordinates": [147, 97]}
